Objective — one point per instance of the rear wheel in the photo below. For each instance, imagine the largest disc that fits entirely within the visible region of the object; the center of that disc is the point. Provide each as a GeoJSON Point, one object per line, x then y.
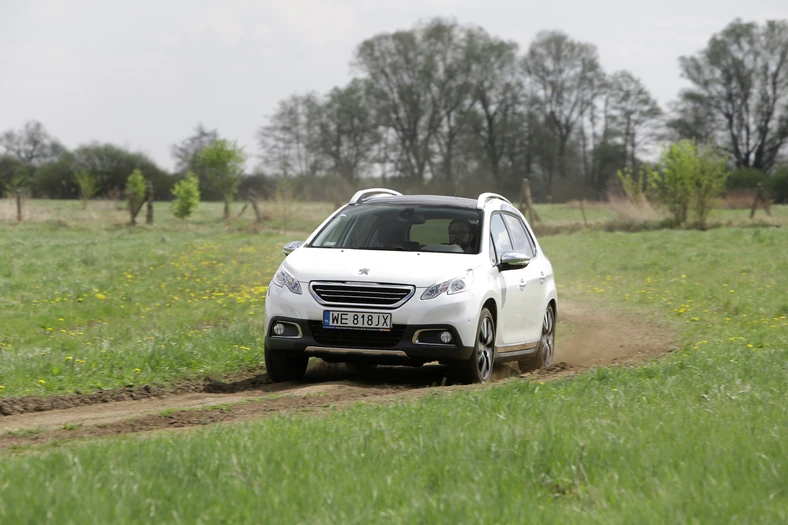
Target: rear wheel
{"type": "Point", "coordinates": [478, 368]}
{"type": "Point", "coordinates": [282, 367]}
{"type": "Point", "coordinates": [543, 357]}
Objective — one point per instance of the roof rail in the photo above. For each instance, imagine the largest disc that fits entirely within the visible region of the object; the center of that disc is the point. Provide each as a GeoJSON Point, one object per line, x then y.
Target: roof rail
{"type": "Point", "coordinates": [369, 192]}
{"type": "Point", "coordinates": [484, 197]}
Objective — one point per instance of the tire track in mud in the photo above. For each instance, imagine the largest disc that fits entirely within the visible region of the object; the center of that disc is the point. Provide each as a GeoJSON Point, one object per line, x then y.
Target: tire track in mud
{"type": "Point", "coordinates": [593, 338]}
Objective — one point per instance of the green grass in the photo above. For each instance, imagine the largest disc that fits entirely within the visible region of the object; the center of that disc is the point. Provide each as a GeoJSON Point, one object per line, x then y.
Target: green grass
{"type": "Point", "coordinates": [85, 310]}
{"type": "Point", "coordinates": [699, 436]}
{"type": "Point", "coordinates": [106, 214]}
{"type": "Point", "coordinates": [26, 432]}
{"type": "Point", "coordinates": [669, 444]}
{"type": "Point", "coordinates": [600, 213]}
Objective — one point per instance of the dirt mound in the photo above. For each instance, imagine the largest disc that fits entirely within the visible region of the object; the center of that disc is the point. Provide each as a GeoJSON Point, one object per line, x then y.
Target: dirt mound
{"type": "Point", "coordinates": [592, 338]}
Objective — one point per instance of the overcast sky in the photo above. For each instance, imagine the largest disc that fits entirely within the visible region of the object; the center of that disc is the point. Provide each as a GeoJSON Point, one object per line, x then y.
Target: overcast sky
{"type": "Point", "coordinates": [143, 73]}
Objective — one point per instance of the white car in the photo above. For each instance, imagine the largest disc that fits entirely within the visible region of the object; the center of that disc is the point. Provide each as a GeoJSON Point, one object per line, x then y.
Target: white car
{"type": "Point", "coordinates": [381, 281]}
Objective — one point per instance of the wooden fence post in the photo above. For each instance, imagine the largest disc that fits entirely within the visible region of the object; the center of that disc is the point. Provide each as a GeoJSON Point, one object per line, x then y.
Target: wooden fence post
{"type": "Point", "coordinates": [18, 205]}
{"type": "Point", "coordinates": [149, 195]}
{"type": "Point", "coordinates": [131, 209]}
{"type": "Point", "coordinates": [760, 198]}
{"type": "Point", "coordinates": [526, 204]}
{"type": "Point", "coordinates": [258, 214]}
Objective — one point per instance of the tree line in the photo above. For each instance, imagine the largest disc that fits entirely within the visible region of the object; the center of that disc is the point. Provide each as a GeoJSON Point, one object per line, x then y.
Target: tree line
{"type": "Point", "coordinates": [449, 108]}
{"type": "Point", "coordinates": [454, 107]}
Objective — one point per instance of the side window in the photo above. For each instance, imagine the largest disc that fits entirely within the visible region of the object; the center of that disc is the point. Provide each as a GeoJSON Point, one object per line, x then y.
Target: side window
{"type": "Point", "coordinates": [500, 236]}
{"type": "Point", "coordinates": [493, 256]}
{"type": "Point", "coordinates": [520, 238]}
{"type": "Point", "coordinates": [531, 242]}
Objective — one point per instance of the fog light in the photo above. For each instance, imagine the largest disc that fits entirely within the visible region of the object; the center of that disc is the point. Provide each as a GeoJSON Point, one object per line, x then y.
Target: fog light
{"type": "Point", "coordinates": [446, 337]}
{"type": "Point", "coordinates": [279, 328]}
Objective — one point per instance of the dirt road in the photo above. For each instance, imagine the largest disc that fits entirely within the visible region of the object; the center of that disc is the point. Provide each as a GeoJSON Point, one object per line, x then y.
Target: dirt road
{"type": "Point", "coordinates": [587, 338]}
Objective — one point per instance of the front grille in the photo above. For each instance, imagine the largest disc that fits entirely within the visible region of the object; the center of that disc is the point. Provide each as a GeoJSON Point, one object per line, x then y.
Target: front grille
{"type": "Point", "coordinates": [344, 338]}
{"type": "Point", "coordinates": [371, 295]}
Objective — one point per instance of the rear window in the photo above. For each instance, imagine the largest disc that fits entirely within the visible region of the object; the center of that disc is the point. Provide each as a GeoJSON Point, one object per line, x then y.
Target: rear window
{"type": "Point", "coordinates": [401, 227]}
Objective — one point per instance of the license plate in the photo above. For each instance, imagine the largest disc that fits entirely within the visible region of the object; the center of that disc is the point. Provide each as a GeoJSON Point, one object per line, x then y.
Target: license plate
{"type": "Point", "coordinates": [356, 320]}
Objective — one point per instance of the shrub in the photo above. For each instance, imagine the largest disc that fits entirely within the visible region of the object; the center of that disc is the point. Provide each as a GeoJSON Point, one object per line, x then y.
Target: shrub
{"type": "Point", "coordinates": [187, 196]}
{"type": "Point", "coordinates": [88, 186]}
{"type": "Point", "coordinates": [691, 177]}
{"type": "Point", "coordinates": [777, 185]}
{"type": "Point", "coordinates": [636, 185]}
{"type": "Point", "coordinates": [224, 161]}
{"type": "Point", "coordinates": [745, 179]}
{"type": "Point", "coordinates": [135, 187]}
{"type": "Point", "coordinates": [135, 191]}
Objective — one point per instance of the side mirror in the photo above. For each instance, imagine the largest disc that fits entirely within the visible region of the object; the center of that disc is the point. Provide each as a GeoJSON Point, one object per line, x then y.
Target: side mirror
{"type": "Point", "coordinates": [291, 247]}
{"type": "Point", "coordinates": [513, 260]}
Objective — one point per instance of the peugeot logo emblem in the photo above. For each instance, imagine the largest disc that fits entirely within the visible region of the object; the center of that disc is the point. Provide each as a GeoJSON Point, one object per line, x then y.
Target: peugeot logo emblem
{"type": "Point", "coordinates": [363, 271]}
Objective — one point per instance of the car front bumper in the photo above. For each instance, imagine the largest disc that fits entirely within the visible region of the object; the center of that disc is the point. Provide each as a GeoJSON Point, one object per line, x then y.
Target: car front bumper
{"type": "Point", "coordinates": [413, 338]}
{"type": "Point", "coordinates": [400, 345]}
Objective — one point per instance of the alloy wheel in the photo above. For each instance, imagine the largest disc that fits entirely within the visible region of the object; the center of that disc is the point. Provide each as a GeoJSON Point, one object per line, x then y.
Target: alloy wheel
{"type": "Point", "coordinates": [486, 348]}
{"type": "Point", "coordinates": [547, 346]}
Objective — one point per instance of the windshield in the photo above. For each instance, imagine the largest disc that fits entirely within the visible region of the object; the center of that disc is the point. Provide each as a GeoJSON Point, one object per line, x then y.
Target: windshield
{"type": "Point", "coordinates": [402, 227]}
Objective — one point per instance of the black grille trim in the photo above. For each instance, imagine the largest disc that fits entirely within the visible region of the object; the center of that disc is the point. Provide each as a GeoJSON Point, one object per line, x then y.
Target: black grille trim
{"type": "Point", "coordinates": [367, 295]}
{"type": "Point", "coordinates": [344, 338]}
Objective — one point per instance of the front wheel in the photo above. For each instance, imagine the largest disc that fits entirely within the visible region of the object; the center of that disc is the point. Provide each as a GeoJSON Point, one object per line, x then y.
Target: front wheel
{"type": "Point", "coordinates": [543, 357]}
{"type": "Point", "coordinates": [478, 368]}
{"type": "Point", "coordinates": [282, 367]}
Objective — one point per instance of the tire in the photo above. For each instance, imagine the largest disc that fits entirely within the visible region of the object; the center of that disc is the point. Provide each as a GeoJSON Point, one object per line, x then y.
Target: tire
{"type": "Point", "coordinates": [361, 368]}
{"type": "Point", "coordinates": [478, 369]}
{"type": "Point", "coordinates": [281, 367]}
{"type": "Point", "coordinates": [543, 357]}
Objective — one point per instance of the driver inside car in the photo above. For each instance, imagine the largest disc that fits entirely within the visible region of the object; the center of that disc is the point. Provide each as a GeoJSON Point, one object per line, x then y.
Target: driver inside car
{"type": "Point", "coordinates": [461, 234]}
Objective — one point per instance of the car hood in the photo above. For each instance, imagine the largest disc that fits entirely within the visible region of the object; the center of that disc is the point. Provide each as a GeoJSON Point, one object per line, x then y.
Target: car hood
{"type": "Point", "coordinates": [421, 269]}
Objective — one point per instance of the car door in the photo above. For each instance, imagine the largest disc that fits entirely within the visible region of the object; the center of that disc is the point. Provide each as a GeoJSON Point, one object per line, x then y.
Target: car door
{"type": "Point", "coordinates": [510, 315]}
{"type": "Point", "coordinates": [531, 284]}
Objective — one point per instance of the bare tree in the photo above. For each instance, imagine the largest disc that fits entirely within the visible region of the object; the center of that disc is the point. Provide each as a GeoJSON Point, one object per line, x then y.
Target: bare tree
{"type": "Point", "coordinates": [186, 152]}
{"type": "Point", "coordinates": [498, 94]}
{"type": "Point", "coordinates": [400, 70]}
{"type": "Point", "coordinates": [452, 88]}
{"type": "Point", "coordinates": [289, 139]}
{"type": "Point", "coordinates": [32, 145]}
{"type": "Point", "coordinates": [691, 118]}
{"type": "Point", "coordinates": [347, 129]}
{"type": "Point", "coordinates": [635, 112]}
{"type": "Point", "coordinates": [742, 77]}
{"type": "Point", "coordinates": [566, 77]}
{"type": "Point", "coordinates": [187, 159]}
{"type": "Point", "coordinates": [602, 140]}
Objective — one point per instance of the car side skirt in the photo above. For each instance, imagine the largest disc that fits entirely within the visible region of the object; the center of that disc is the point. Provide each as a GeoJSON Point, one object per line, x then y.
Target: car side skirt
{"type": "Point", "coordinates": [512, 352]}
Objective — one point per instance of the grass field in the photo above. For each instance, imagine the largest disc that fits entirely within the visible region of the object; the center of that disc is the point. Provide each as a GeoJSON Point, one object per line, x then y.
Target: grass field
{"type": "Point", "coordinates": [699, 436]}
{"type": "Point", "coordinates": [87, 310]}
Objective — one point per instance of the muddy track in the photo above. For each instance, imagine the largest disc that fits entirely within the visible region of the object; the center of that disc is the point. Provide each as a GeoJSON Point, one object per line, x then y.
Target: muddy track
{"type": "Point", "coordinates": [592, 338]}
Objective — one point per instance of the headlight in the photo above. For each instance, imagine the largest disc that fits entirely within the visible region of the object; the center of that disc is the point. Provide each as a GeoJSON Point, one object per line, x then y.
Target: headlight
{"type": "Point", "coordinates": [450, 286]}
{"type": "Point", "coordinates": [283, 278]}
